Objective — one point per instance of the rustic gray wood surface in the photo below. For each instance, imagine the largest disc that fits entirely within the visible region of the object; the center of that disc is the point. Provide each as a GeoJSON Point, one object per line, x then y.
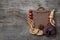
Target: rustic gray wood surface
{"type": "Point", "coordinates": [13, 13]}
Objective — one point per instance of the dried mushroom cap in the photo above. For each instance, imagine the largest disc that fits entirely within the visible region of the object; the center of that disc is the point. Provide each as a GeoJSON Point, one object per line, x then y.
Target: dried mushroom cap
{"type": "Point", "coordinates": [41, 27]}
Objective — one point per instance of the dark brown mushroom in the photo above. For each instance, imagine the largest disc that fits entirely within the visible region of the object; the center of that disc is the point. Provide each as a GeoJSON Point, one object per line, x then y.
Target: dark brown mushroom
{"type": "Point", "coordinates": [41, 27]}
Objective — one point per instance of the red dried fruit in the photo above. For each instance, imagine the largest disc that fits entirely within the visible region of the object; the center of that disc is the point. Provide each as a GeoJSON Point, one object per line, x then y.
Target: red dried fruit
{"type": "Point", "coordinates": [30, 11]}
{"type": "Point", "coordinates": [30, 17]}
{"type": "Point", "coordinates": [30, 14]}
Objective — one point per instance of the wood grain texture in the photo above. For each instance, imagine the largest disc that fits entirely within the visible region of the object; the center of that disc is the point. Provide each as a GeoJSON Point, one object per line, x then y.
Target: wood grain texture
{"type": "Point", "coordinates": [14, 27]}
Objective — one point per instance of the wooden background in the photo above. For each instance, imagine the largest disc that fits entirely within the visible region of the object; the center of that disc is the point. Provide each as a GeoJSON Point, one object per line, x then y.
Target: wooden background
{"type": "Point", "coordinates": [13, 14]}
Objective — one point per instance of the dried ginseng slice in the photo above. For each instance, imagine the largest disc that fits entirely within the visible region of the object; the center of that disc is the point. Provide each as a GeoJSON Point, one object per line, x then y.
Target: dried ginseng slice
{"type": "Point", "coordinates": [33, 31]}
{"type": "Point", "coordinates": [36, 31]}
{"type": "Point", "coordinates": [40, 32]}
